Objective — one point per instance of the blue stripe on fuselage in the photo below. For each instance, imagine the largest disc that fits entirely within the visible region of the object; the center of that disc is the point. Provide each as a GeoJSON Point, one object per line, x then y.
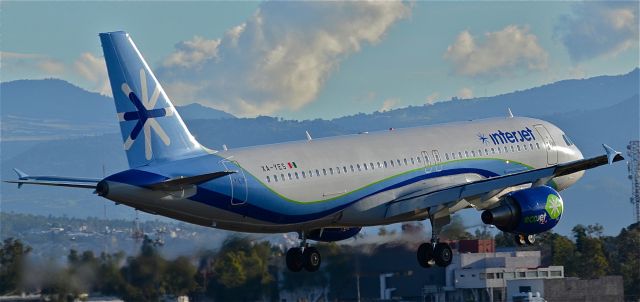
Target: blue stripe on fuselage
{"type": "Point", "coordinates": [275, 209]}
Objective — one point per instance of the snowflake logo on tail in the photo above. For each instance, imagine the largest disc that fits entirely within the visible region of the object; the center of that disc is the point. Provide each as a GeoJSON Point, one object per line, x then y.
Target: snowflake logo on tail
{"type": "Point", "coordinates": [145, 115]}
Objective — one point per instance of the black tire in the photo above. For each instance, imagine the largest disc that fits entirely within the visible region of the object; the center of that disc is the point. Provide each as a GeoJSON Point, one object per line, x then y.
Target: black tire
{"type": "Point", "coordinates": [294, 259]}
{"type": "Point", "coordinates": [442, 254]}
{"type": "Point", "coordinates": [425, 254]}
{"type": "Point", "coordinates": [519, 239]}
{"type": "Point", "coordinates": [312, 259]}
{"type": "Point", "coordinates": [530, 239]}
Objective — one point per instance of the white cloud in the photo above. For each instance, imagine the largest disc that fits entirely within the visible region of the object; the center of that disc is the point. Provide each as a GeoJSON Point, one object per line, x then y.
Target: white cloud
{"type": "Point", "coordinates": [388, 104]}
{"type": "Point", "coordinates": [277, 60]}
{"type": "Point", "coordinates": [500, 53]}
{"type": "Point", "coordinates": [432, 98]}
{"type": "Point", "coordinates": [192, 53]}
{"type": "Point", "coordinates": [599, 28]}
{"type": "Point", "coordinates": [465, 93]}
{"type": "Point", "coordinates": [94, 70]}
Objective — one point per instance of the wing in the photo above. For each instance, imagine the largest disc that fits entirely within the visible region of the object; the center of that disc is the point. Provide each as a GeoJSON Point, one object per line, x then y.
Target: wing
{"type": "Point", "coordinates": [425, 199]}
{"type": "Point", "coordinates": [74, 182]}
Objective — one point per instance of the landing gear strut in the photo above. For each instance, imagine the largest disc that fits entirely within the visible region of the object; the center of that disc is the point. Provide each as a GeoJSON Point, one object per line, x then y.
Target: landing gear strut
{"type": "Point", "coordinates": [435, 252]}
{"type": "Point", "coordinates": [305, 256]}
{"type": "Point", "coordinates": [522, 240]}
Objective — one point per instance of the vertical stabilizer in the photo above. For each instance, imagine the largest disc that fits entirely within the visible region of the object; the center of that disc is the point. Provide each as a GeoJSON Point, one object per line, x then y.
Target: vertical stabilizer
{"type": "Point", "coordinates": [152, 129]}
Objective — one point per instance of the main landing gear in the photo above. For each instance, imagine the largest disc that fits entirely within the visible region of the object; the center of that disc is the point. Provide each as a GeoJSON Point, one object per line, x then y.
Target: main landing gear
{"type": "Point", "coordinates": [522, 240]}
{"type": "Point", "coordinates": [435, 252]}
{"type": "Point", "coordinates": [305, 256]}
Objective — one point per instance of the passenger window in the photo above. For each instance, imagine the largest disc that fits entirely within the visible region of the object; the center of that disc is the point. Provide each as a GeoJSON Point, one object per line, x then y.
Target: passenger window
{"type": "Point", "coordinates": [525, 147]}
{"type": "Point", "coordinates": [479, 152]}
{"type": "Point", "coordinates": [473, 153]}
{"type": "Point", "coordinates": [466, 153]}
{"type": "Point", "coordinates": [385, 163]}
{"type": "Point", "coordinates": [412, 161]}
{"type": "Point", "coordinates": [282, 177]}
{"type": "Point", "coordinates": [486, 151]}
{"type": "Point", "coordinates": [399, 163]}
{"type": "Point", "coordinates": [345, 169]}
{"type": "Point", "coordinates": [268, 178]}
{"type": "Point", "coordinates": [499, 150]}
{"type": "Point", "coordinates": [405, 162]}
{"type": "Point", "coordinates": [331, 171]}
{"type": "Point", "coordinates": [493, 151]}
{"type": "Point", "coordinates": [518, 146]}
{"type": "Point", "coordinates": [317, 172]}
{"type": "Point", "coordinates": [538, 146]}
{"type": "Point", "coordinates": [352, 170]}
{"type": "Point", "coordinates": [446, 156]}
{"type": "Point", "coordinates": [358, 165]}
{"type": "Point", "coordinates": [531, 146]}
{"type": "Point", "coordinates": [371, 165]}
{"type": "Point", "coordinates": [379, 165]}
{"type": "Point", "coordinates": [310, 174]}
{"type": "Point", "coordinates": [513, 149]}
{"type": "Point", "coordinates": [365, 167]}
{"type": "Point", "coordinates": [290, 178]}
{"type": "Point", "coordinates": [324, 171]}
{"type": "Point", "coordinates": [297, 177]}
{"type": "Point", "coordinates": [419, 161]}
{"type": "Point", "coordinates": [338, 170]}
{"type": "Point", "coordinates": [506, 150]}
{"type": "Point", "coordinates": [392, 163]}
{"type": "Point", "coordinates": [304, 175]}
{"type": "Point", "coordinates": [459, 155]}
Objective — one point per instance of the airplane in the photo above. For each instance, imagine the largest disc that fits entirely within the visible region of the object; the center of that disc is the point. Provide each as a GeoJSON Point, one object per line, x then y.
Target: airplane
{"type": "Point", "coordinates": [510, 168]}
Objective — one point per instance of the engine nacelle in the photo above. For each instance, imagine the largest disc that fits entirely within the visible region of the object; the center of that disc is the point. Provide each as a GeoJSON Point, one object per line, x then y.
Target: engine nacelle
{"type": "Point", "coordinates": [332, 234]}
{"type": "Point", "coordinates": [529, 211]}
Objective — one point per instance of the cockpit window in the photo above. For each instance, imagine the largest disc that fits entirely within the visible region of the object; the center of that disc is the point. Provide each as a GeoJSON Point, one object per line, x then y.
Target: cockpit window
{"type": "Point", "coordinates": [567, 140]}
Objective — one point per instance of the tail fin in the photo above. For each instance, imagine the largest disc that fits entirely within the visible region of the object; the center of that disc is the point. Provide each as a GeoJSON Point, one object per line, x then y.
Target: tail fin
{"type": "Point", "coordinates": [152, 129]}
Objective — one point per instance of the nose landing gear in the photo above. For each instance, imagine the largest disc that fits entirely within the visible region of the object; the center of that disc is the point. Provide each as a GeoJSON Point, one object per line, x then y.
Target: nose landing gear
{"type": "Point", "coordinates": [522, 240]}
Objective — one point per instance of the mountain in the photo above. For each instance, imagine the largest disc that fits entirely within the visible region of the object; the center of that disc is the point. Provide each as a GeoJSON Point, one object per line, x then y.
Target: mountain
{"type": "Point", "coordinates": [35, 110]}
{"type": "Point", "coordinates": [607, 113]}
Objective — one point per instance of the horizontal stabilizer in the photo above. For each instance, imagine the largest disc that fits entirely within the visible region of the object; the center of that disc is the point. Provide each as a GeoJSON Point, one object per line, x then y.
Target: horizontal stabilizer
{"type": "Point", "coordinates": [179, 183]}
{"type": "Point", "coordinates": [74, 182]}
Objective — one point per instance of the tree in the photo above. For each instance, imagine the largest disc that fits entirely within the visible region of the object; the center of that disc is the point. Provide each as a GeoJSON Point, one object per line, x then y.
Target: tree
{"type": "Point", "coordinates": [590, 261]}
{"type": "Point", "coordinates": [13, 254]}
{"type": "Point", "coordinates": [144, 274]}
{"type": "Point", "coordinates": [180, 275]}
{"type": "Point", "coordinates": [241, 270]}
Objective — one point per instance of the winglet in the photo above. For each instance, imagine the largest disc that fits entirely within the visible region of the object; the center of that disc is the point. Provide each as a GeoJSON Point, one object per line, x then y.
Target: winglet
{"type": "Point", "coordinates": [612, 155]}
{"type": "Point", "coordinates": [21, 174]}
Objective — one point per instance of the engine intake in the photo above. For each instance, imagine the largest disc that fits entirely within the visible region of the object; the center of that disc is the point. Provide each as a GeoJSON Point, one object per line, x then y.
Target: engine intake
{"type": "Point", "coordinates": [529, 211]}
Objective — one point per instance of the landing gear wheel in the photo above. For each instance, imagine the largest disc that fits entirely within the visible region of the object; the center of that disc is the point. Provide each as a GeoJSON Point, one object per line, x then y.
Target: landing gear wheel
{"type": "Point", "coordinates": [530, 239]}
{"type": "Point", "coordinates": [425, 254]}
{"type": "Point", "coordinates": [520, 240]}
{"type": "Point", "coordinates": [295, 260]}
{"type": "Point", "coordinates": [312, 259]}
{"type": "Point", "coordinates": [442, 254]}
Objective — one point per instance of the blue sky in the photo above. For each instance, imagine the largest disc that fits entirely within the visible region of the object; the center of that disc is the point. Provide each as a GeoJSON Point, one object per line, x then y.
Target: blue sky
{"type": "Point", "coordinates": [306, 60]}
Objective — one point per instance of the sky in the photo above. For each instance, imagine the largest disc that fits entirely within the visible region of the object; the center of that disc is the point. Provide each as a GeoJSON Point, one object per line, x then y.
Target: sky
{"type": "Point", "coordinates": [307, 60]}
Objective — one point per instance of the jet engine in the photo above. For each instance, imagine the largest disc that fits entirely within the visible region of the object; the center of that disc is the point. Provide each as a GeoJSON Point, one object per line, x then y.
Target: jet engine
{"type": "Point", "coordinates": [332, 234]}
{"type": "Point", "coordinates": [528, 211]}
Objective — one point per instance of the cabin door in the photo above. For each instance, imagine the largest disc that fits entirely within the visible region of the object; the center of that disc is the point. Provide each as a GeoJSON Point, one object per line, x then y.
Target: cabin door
{"type": "Point", "coordinates": [238, 183]}
{"type": "Point", "coordinates": [548, 143]}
